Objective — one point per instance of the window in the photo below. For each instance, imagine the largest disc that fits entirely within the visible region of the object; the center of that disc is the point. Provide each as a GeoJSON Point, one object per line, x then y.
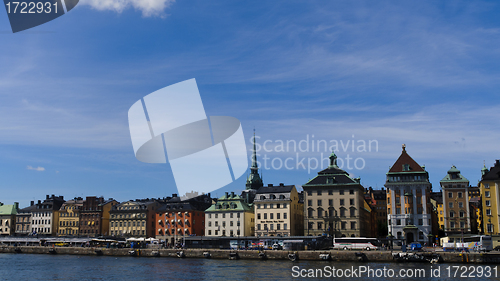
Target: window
{"type": "Point", "coordinates": [452, 214]}
{"type": "Point", "coordinates": [450, 204]}
{"type": "Point", "coordinates": [258, 226]}
{"type": "Point", "coordinates": [342, 212]}
{"type": "Point", "coordinates": [265, 216]}
{"type": "Point", "coordinates": [341, 202]}
{"type": "Point", "coordinates": [452, 224]}
{"type": "Point", "coordinates": [420, 222]}
{"type": "Point", "coordinates": [419, 200]}
{"type": "Point", "coordinates": [309, 193]}
{"type": "Point", "coordinates": [258, 206]}
{"type": "Point", "coordinates": [341, 192]}
{"type": "Point", "coordinates": [353, 212]}
{"type": "Point", "coordinates": [353, 225]}
{"type": "Point", "coordinates": [309, 202]}
{"type": "Point", "coordinates": [265, 206]}
{"type": "Point", "coordinates": [284, 216]}
{"type": "Point", "coordinates": [209, 232]}
{"type": "Point", "coordinates": [330, 192]}
{"type": "Point", "coordinates": [320, 212]}
{"type": "Point", "coordinates": [450, 195]}
{"type": "Point", "coordinates": [343, 225]}
{"type": "Point", "coordinates": [487, 185]}
{"type": "Point", "coordinates": [488, 212]}
{"type": "Point", "coordinates": [351, 201]}
{"type": "Point", "coordinates": [258, 216]}
{"type": "Point", "coordinates": [284, 205]}
{"type": "Point", "coordinates": [319, 202]}
{"type": "Point", "coordinates": [284, 226]}
{"type": "Point", "coordinates": [278, 226]}
{"type": "Point", "coordinates": [320, 225]}
{"type": "Point", "coordinates": [459, 195]}
{"type": "Point", "coordinates": [271, 215]}
{"type": "Point", "coordinates": [488, 203]}
{"type": "Point", "coordinates": [460, 204]}
{"type": "Point", "coordinates": [330, 202]}
{"type": "Point", "coordinates": [487, 194]}
{"type": "Point", "coordinates": [397, 200]}
{"type": "Point", "coordinates": [490, 228]}
{"type": "Point", "coordinates": [462, 224]}
{"type": "Point", "coordinates": [310, 213]}
{"type": "Point", "coordinates": [319, 192]}
{"type": "Point", "coordinates": [398, 211]}
{"type": "Point", "coordinates": [461, 214]}
{"type": "Point", "coordinates": [351, 191]}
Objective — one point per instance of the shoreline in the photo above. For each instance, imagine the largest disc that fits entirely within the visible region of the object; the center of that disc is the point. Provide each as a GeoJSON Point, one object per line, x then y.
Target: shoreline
{"type": "Point", "coordinates": [334, 255]}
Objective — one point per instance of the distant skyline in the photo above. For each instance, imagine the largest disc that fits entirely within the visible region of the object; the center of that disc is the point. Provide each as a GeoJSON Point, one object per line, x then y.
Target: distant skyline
{"type": "Point", "coordinates": [420, 73]}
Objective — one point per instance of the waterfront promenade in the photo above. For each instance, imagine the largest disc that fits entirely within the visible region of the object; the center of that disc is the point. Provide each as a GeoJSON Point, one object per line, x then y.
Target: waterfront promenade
{"type": "Point", "coordinates": [334, 255]}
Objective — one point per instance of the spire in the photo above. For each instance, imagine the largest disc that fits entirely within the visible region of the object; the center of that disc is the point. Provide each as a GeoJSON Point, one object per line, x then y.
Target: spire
{"type": "Point", "coordinates": [254, 154]}
{"type": "Point", "coordinates": [254, 181]}
{"type": "Point", "coordinates": [484, 170]}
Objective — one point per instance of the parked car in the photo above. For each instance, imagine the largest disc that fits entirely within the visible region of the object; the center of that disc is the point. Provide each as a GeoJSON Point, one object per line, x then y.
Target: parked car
{"type": "Point", "coordinates": [277, 246]}
{"type": "Point", "coordinates": [416, 247]}
{"type": "Point", "coordinates": [497, 248]}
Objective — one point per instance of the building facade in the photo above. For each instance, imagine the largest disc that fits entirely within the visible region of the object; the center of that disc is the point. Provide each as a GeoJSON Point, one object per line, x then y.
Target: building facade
{"type": "Point", "coordinates": [8, 218]}
{"type": "Point", "coordinates": [409, 212]}
{"type": "Point", "coordinates": [278, 211]}
{"type": "Point", "coordinates": [334, 204]}
{"type": "Point", "coordinates": [95, 217]}
{"type": "Point", "coordinates": [69, 217]}
{"type": "Point", "coordinates": [180, 218]}
{"type": "Point", "coordinates": [379, 211]}
{"type": "Point", "coordinates": [455, 188]}
{"type": "Point", "coordinates": [230, 216]}
{"type": "Point", "coordinates": [134, 218]}
{"type": "Point", "coordinates": [45, 217]}
{"type": "Point", "coordinates": [23, 220]}
{"type": "Point", "coordinates": [489, 186]}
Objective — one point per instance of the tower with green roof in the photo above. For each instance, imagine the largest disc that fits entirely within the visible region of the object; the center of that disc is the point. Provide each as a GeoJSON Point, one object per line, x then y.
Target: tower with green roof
{"type": "Point", "coordinates": [456, 212]}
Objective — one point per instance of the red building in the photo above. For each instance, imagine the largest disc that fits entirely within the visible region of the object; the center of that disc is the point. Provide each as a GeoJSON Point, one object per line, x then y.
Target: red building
{"type": "Point", "coordinates": [177, 218]}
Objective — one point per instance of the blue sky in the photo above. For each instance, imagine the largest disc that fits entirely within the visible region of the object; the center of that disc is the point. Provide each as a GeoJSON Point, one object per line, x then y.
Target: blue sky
{"type": "Point", "coordinates": [421, 73]}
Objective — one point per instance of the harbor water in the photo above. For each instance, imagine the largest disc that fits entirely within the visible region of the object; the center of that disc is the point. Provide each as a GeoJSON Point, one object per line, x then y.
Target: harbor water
{"type": "Point", "coordinates": [74, 267]}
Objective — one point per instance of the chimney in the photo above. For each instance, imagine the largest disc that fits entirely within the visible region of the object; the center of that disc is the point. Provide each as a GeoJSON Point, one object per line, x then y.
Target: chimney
{"type": "Point", "coordinates": [269, 185]}
{"type": "Point", "coordinates": [497, 163]}
{"type": "Point", "coordinates": [40, 201]}
{"type": "Point", "coordinates": [174, 195]}
{"type": "Point", "coordinates": [227, 194]}
{"type": "Point", "coordinates": [53, 195]}
{"type": "Point", "coordinates": [232, 194]}
{"type": "Point", "coordinates": [282, 184]}
{"type": "Point", "coordinates": [47, 197]}
{"type": "Point", "coordinates": [16, 205]}
{"type": "Point", "coordinates": [32, 203]}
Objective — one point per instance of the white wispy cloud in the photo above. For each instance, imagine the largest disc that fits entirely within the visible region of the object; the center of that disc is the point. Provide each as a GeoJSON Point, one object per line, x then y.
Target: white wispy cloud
{"type": "Point", "coordinates": [147, 7]}
{"type": "Point", "coordinates": [38, 169]}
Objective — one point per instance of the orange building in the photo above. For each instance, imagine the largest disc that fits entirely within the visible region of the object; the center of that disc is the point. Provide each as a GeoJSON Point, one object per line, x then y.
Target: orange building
{"type": "Point", "coordinates": [176, 218]}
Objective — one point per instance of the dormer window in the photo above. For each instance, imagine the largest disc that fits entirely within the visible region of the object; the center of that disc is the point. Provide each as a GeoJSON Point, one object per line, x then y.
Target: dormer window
{"type": "Point", "coordinates": [329, 180]}
{"type": "Point", "coordinates": [406, 167]}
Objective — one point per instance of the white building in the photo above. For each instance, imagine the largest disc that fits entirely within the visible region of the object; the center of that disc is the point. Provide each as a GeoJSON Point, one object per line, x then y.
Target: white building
{"type": "Point", "coordinates": [408, 200]}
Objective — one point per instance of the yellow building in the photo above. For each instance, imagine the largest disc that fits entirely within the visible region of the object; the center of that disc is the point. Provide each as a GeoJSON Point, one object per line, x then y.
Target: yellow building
{"type": "Point", "coordinates": [278, 211]}
{"type": "Point", "coordinates": [489, 185]}
{"type": "Point", "coordinates": [69, 217]}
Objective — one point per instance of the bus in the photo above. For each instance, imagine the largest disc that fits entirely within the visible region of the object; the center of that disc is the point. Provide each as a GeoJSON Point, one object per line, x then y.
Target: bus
{"type": "Point", "coordinates": [481, 243]}
{"type": "Point", "coordinates": [356, 243]}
